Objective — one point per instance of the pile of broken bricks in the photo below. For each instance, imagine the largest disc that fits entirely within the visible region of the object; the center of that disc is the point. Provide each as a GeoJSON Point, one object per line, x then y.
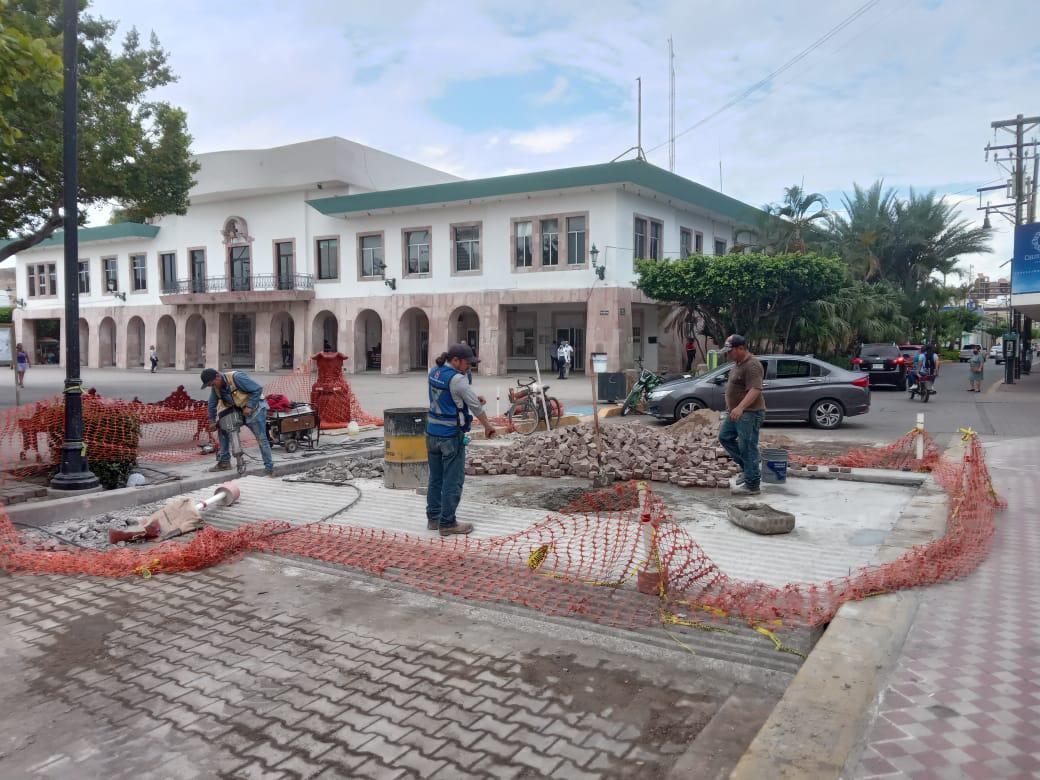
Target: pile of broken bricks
{"type": "Point", "coordinates": [629, 452]}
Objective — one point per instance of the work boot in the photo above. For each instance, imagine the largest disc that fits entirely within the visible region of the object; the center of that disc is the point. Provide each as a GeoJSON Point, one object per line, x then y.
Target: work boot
{"type": "Point", "coordinates": [268, 472]}
{"type": "Point", "coordinates": [744, 490]}
{"type": "Point", "coordinates": [433, 525]}
{"type": "Point", "coordinates": [456, 528]}
{"type": "Point", "coordinates": [222, 465]}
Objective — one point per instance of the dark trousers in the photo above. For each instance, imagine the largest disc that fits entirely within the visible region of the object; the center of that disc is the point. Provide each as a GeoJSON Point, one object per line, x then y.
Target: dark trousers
{"type": "Point", "coordinates": [689, 360]}
{"type": "Point", "coordinates": [155, 364]}
{"type": "Point", "coordinates": [447, 455]}
{"type": "Point", "coordinates": [740, 440]}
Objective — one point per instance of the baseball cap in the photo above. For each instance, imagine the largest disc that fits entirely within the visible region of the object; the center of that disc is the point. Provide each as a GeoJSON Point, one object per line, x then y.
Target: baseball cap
{"type": "Point", "coordinates": [736, 340]}
{"type": "Point", "coordinates": [462, 352]}
{"type": "Point", "coordinates": [207, 376]}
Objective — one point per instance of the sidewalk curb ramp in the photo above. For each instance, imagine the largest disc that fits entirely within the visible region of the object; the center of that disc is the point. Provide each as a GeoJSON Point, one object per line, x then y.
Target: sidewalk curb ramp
{"type": "Point", "coordinates": [818, 727]}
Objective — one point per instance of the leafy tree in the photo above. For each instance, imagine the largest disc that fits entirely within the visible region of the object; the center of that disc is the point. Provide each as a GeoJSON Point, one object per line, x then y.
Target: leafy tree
{"type": "Point", "coordinates": [860, 312]}
{"type": "Point", "coordinates": [754, 294]}
{"type": "Point", "coordinates": [997, 329]}
{"type": "Point", "coordinates": [133, 152]}
{"type": "Point", "coordinates": [786, 226]}
{"type": "Point", "coordinates": [23, 59]}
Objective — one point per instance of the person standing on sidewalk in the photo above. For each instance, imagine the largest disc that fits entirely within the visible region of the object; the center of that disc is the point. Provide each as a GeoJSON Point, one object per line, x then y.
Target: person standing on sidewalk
{"type": "Point", "coordinates": [564, 357]}
{"type": "Point", "coordinates": [746, 410]}
{"type": "Point", "coordinates": [976, 366]}
{"type": "Point", "coordinates": [153, 358]}
{"type": "Point", "coordinates": [691, 353]}
{"type": "Point", "coordinates": [453, 405]}
{"type": "Point", "coordinates": [21, 364]}
{"type": "Point", "coordinates": [237, 389]}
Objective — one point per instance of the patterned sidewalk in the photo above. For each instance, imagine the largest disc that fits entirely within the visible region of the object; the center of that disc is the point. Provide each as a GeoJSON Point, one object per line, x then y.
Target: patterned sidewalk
{"type": "Point", "coordinates": [964, 698]}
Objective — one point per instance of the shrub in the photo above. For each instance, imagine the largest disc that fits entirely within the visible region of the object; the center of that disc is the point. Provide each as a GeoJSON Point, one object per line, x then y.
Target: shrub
{"type": "Point", "coordinates": [112, 435]}
{"type": "Point", "coordinates": [950, 354]}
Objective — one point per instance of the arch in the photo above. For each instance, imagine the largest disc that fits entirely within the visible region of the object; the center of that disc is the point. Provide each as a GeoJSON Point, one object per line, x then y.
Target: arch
{"type": "Point", "coordinates": [414, 341]}
{"type": "Point", "coordinates": [107, 343]}
{"type": "Point", "coordinates": [368, 341]}
{"type": "Point", "coordinates": [84, 342]}
{"type": "Point", "coordinates": [325, 332]}
{"type": "Point", "coordinates": [134, 342]}
{"type": "Point", "coordinates": [283, 337]}
{"type": "Point", "coordinates": [464, 326]}
{"type": "Point", "coordinates": [195, 342]}
{"type": "Point", "coordinates": [166, 341]}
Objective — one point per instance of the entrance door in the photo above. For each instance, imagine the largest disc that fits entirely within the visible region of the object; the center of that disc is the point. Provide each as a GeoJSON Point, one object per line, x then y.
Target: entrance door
{"type": "Point", "coordinates": [423, 358]}
{"type": "Point", "coordinates": [240, 268]}
{"type": "Point", "coordinates": [576, 337]}
{"type": "Point", "coordinates": [242, 341]}
{"type": "Point", "coordinates": [637, 342]}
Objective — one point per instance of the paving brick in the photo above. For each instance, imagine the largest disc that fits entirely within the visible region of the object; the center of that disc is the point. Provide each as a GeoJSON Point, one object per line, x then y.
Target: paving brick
{"type": "Point", "coordinates": [578, 755]}
{"type": "Point", "coordinates": [374, 769]}
{"type": "Point", "coordinates": [351, 738]}
{"type": "Point", "coordinates": [300, 768]}
{"type": "Point", "coordinates": [418, 763]}
{"type": "Point", "coordinates": [268, 753]}
{"type": "Point", "coordinates": [280, 734]}
{"type": "Point", "coordinates": [494, 726]}
{"type": "Point", "coordinates": [310, 745]}
{"type": "Point", "coordinates": [345, 760]}
{"type": "Point", "coordinates": [495, 747]}
{"type": "Point", "coordinates": [387, 728]}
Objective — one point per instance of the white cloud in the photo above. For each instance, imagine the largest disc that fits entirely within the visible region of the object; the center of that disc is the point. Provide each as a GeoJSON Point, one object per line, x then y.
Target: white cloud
{"type": "Point", "coordinates": [545, 140]}
{"type": "Point", "coordinates": [555, 94]}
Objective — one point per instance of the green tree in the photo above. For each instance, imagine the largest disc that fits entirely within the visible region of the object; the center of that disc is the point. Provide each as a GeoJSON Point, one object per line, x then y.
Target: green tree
{"type": "Point", "coordinates": [795, 223]}
{"type": "Point", "coordinates": [133, 152]}
{"type": "Point", "coordinates": [859, 312]}
{"type": "Point", "coordinates": [997, 329]}
{"type": "Point", "coordinates": [754, 294]}
{"type": "Point", "coordinates": [23, 60]}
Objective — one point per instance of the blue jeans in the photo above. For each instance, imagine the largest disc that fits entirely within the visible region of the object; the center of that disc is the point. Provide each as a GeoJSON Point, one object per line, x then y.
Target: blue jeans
{"type": "Point", "coordinates": [258, 425]}
{"type": "Point", "coordinates": [447, 456]}
{"type": "Point", "coordinates": [740, 440]}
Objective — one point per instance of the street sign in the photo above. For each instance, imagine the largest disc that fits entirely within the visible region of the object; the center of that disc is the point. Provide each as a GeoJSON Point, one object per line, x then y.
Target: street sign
{"type": "Point", "coordinates": [1025, 264]}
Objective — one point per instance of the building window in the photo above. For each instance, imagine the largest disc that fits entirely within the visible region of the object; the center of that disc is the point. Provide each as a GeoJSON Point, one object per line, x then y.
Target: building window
{"type": "Point", "coordinates": [550, 230]}
{"type": "Point", "coordinates": [197, 269]}
{"type": "Point", "coordinates": [575, 240]}
{"type": "Point", "coordinates": [466, 239]}
{"type": "Point", "coordinates": [639, 239]}
{"type": "Point", "coordinates": [84, 277]}
{"type": "Point", "coordinates": [656, 228]}
{"type": "Point", "coordinates": [168, 271]}
{"type": "Point", "coordinates": [417, 252]}
{"type": "Point", "coordinates": [685, 242]}
{"type": "Point", "coordinates": [522, 334]}
{"type": "Point", "coordinates": [328, 258]}
{"type": "Point", "coordinates": [698, 242]}
{"type": "Point", "coordinates": [284, 264]}
{"type": "Point", "coordinates": [524, 249]}
{"type": "Point", "coordinates": [138, 273]}
{"type": "Point", "coordinates": [110, 267]}
{"type": "Point", "coordinates": [43, 280]}
{"type": "Point", "coordinates": [371, 249]}
{"type": "Point", "coordinates": [720, 246]}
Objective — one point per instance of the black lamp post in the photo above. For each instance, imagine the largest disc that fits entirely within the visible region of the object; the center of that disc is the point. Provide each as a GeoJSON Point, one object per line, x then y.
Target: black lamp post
{"type": "Point", "coordinates": [74, 473]}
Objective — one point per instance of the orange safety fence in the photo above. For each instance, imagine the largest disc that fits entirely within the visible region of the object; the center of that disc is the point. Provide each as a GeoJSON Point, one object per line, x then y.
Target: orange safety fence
{"type": "Point", "coordinates": [583, 560]}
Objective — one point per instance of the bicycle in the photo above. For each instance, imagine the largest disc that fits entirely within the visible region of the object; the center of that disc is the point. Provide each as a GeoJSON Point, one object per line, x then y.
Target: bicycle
{"type": "Point", "coordinates": [526, 409]}
{"type": "Point", "coordinates": [641, 390]}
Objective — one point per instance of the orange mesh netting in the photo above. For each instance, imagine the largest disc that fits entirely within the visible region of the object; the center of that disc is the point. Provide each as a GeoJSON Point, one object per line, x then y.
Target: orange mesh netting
{"type": "Point", "coordinates": [580, 561]}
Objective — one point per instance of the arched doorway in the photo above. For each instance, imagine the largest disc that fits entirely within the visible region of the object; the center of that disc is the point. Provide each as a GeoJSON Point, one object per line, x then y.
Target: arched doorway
{"type": "Point", "coordinates": [84, 342]}
{"type": "Point", "coordinates": [135, 342]}
{"type": "Point", "coordinates": [368, 341]}
{"type": "Point", "coordinates": [283, 337]}
{"type": "Point", "coordinates": [195, 342]}
{"type": "Point", "coordinates": [166, 341]}
{"type": "Point", "coordinates": [107, 343]}
{"type": "Point", "coordinates": [414, 337]}
{"type": "Point", "coordinates": [464, 327]}
{"type": "Point", "coordinates": [325, 332]}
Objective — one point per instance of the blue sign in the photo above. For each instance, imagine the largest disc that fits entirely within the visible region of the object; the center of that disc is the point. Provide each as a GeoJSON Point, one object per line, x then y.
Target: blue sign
{"type": "Point", "coordinates": [1025, 265]}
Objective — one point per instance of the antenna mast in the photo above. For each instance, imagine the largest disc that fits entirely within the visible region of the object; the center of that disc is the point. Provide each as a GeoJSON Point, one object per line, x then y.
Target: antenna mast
{"type": "Point", "coordinates": [638, 148]}
{"type": "Point", "coordinates": [671, 106]}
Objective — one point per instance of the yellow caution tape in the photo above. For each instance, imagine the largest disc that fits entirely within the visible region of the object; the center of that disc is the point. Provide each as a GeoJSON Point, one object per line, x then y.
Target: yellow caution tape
{"type": "Point", "coordinates": [146, 569]}
{"type": "Point", "coordinates": [776, 640]}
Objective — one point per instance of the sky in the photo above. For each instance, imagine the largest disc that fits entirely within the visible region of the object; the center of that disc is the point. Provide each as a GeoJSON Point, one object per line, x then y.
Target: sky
{"type": "Point", "coordinates": [906, 92]}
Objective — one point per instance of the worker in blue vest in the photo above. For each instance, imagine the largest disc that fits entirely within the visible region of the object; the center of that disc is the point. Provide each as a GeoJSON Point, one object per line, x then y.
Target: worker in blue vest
{"type": "Point", "coordinates": [453, 405]}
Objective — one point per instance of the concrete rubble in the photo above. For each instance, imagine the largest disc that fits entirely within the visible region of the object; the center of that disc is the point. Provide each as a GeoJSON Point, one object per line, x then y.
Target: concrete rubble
{"type": "Point", "coordinates": [692, 459]}
{"type": "Point", "coordinates": [341, 471]}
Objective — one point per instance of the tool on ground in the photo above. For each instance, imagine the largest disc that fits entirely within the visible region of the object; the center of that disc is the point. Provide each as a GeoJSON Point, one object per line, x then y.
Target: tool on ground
{"type": "Point", "coordinates": [179, 516]}
{"type": "Point", "coordinates": [230, 422]}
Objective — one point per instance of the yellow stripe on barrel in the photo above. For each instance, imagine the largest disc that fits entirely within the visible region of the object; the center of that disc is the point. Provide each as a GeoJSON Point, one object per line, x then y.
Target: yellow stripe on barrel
{"type": "Point", "coordinates": [405, 460]}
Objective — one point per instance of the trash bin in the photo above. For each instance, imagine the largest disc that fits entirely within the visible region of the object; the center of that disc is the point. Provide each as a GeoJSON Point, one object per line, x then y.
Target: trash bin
{"type": "Point", "coordinates": [405, 461]}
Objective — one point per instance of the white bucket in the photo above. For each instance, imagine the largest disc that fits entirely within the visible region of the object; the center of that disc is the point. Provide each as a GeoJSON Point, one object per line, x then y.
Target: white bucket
{"type": "Point", "coordinates": [599, 362]}
{"type": "Point", "coordinates": [774, 466]}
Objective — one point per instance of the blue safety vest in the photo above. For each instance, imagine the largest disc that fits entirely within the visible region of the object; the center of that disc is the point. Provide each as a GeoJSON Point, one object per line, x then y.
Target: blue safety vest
{"type": "Point", "coordinates": [444, 417]}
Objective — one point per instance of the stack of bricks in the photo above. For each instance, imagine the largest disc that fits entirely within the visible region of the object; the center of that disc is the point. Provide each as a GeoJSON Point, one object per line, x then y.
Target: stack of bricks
{"type": "Point", "coordinates": [629, 452]}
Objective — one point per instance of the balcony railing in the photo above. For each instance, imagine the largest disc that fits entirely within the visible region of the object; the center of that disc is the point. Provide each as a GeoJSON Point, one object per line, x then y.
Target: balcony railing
{"type": "Point", "coordinates": [223, 284]}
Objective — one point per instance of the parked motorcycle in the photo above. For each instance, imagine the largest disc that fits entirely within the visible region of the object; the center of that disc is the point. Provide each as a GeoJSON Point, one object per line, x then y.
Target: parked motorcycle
{"type": "Point", "coordinates": [644, 385]}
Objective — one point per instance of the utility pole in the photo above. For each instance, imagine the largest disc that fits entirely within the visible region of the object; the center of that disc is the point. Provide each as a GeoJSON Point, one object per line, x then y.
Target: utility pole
{"type": "Point", "coordinates": [1021, 206]}
{"type": "Point", "coordinates": [74, 474]}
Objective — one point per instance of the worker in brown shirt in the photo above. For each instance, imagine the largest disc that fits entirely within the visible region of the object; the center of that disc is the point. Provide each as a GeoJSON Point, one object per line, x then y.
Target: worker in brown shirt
{"type": "Point", "coordinates": [746, 409]}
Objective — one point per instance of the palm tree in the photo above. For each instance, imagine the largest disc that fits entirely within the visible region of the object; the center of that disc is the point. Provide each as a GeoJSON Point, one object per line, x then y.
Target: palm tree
{"type": "Point", "coordinates": [863, 233]}
{"type": "Point", "coordinates": [786, 225]}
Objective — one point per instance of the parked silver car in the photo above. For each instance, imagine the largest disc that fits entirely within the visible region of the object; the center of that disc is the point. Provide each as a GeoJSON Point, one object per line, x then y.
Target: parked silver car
{"type": "Point", "coordinates": [796, 389]}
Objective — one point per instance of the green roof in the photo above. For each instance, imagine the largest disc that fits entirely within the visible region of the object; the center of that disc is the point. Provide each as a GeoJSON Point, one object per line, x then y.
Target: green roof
{"type": "Point", "coordinates": [637, 172]}
{"type": "Point", "coordinates": [102, 233]}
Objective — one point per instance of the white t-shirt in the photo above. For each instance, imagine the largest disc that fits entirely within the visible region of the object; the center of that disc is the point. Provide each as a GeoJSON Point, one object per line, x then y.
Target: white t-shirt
{"type": "Point", "coordinates": [566, 353]}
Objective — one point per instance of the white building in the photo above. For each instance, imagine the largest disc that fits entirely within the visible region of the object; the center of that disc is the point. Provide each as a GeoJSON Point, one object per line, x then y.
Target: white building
{"type": "Point", "coordinates": [288, 250]}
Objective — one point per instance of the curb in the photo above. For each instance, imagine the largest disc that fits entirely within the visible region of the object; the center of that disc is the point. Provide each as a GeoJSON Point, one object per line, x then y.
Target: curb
{"type": "Point", "coordinates": [818, 727]}
{"type": "Point", "coordinates": [41, 513]}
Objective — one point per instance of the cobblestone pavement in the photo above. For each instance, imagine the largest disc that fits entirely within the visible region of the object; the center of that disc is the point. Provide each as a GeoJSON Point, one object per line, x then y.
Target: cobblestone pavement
{"type": "Point", "coordinates": [264, 669]}
{"type": "Point", "coordinates": [964, 699]}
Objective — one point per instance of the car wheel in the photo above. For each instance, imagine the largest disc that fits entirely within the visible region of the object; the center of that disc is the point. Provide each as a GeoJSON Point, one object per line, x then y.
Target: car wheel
{"type": "Point", "coordinates": [826, 414]}
{"type": "Point", "coordinates": [687, 407]}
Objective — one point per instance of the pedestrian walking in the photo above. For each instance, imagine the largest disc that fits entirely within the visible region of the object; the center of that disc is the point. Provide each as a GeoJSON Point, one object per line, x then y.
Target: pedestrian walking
{"type": "Point", "coordinates": [746, 410]}
{"type": "Point", "coordinates": [153, 357]}
{"type": "Point", "coordinates": [21, 364]}
{"type": "Point", "coordinates": [564, 356]}
{"type": "Point", "coordinates": [554, 351]}
{"type": "Point", "coordinates": [238, 389]}
{"type": "Point", "coordinates": [976, 367]}
{"type": "Point", "coordinates": [691, 353]}
{"type": "Point", "coordinates": [453, 405]}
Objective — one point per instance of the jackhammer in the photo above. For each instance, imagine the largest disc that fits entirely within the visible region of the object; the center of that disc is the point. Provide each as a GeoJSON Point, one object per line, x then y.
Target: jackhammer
{"type": "Point", "coordinates": [230, 422]}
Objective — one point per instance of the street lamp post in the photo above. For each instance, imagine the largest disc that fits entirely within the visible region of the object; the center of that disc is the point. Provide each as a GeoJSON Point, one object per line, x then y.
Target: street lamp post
{"type": "Point", "coordinates": [74, 474]}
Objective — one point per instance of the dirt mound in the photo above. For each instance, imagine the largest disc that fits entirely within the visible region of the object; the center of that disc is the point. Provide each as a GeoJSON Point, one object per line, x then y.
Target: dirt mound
{"type": "Point", "coordinates": [703, 420]}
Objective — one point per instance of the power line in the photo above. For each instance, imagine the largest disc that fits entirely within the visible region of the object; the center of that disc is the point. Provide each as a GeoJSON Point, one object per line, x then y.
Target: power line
{"type": "Point", "coordinates": [787, 65]}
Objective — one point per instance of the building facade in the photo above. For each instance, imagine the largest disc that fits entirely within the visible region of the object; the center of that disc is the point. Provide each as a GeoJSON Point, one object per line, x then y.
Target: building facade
{"type": "Point", "coordinates": [332, 245]}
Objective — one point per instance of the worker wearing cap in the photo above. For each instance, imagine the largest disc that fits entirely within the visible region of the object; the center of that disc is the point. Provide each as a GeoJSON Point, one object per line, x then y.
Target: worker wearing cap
{"type": "Point", "coordinates": [453, 405]}
{"type": "Point", "coordinates": [238, 389]}
{"type": "Point", "coordinates": [746, 410]}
